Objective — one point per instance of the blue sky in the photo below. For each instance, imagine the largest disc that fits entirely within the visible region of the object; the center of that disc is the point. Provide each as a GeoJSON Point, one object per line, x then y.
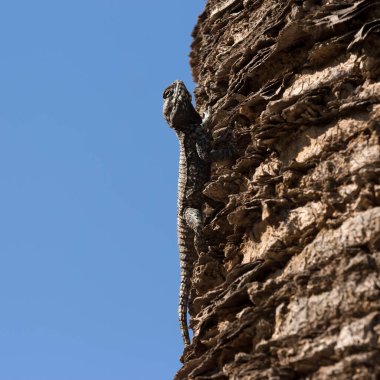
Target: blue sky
{"type": "Point", "coordinates": [89, 271]}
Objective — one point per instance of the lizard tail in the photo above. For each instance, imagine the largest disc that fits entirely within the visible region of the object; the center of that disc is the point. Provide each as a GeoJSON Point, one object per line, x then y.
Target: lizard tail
{"type": "Point", "coordinates": [183, 306]}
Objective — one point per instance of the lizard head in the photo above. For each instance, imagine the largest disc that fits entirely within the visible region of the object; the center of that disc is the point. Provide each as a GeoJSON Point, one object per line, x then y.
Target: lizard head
{"type": "Point", "coordinates": [178, 109]}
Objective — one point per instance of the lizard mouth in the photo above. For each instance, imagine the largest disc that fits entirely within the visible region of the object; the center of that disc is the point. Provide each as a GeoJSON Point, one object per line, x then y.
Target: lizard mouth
{"type": "Point", "coordinates": [179, 93]}
{"type": "Point", "coordinates": [177, 105]}
{"type": "Point", "coordinates": [177, 98]}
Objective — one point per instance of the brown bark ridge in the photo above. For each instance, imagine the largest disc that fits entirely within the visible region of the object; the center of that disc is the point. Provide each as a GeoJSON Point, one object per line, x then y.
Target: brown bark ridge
{"type": "Point", "coordinates": [289, 287]}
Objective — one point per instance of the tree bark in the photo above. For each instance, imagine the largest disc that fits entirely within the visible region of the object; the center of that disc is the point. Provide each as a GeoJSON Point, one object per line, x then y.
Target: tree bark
{"type": "Point", "coordinates": [290, 285]}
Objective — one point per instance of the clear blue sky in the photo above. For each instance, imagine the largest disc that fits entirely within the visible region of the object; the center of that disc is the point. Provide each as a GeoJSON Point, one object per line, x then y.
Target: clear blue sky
{"type": "Point", "coordinates": [89, 271]}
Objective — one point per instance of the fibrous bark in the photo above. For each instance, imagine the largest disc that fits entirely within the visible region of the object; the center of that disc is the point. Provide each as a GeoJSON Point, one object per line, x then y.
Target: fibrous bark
{"type": "Point", "coordinates": [290, 285]}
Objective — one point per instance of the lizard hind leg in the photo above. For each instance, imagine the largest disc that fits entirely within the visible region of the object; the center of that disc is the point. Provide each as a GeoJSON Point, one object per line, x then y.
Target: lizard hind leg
{"type": "Point", "coordinates": [193, 218]}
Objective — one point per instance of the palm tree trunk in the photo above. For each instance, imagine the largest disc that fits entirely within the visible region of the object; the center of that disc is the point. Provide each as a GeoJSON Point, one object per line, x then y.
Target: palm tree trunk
{"type": "Point", "coordinates": [290, 285]}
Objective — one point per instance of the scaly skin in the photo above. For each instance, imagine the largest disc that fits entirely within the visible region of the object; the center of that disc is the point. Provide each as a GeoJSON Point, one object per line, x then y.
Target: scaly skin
{"type": "Point", "coordinates": [193, 173]}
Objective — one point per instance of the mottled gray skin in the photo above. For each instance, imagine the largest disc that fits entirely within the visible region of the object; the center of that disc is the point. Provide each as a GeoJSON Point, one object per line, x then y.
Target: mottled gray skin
{"type": "Point", "coordinates": [193, 173]}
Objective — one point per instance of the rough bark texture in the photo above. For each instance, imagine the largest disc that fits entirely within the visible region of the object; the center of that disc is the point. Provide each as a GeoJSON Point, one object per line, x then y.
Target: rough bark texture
{"type": "Point", "coordinates": [290, 285]}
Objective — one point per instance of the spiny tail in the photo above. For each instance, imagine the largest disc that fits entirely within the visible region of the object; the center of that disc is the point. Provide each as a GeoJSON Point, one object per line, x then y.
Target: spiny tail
{"type": "Point", "coordinates": [184, 298]}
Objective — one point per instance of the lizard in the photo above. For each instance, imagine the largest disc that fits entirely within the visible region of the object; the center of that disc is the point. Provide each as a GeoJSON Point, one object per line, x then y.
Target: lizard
{"type": "Point", "coordinates": [194, 171]}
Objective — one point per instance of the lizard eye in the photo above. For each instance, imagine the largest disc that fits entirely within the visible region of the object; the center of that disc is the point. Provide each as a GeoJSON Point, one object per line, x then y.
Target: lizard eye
{"type": "Point", "coordinates": [167, 93]}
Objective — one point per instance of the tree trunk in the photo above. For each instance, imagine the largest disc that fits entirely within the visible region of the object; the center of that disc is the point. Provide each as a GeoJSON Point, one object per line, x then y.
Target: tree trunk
{"type": "Point", "coordinates": [290, 285]}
